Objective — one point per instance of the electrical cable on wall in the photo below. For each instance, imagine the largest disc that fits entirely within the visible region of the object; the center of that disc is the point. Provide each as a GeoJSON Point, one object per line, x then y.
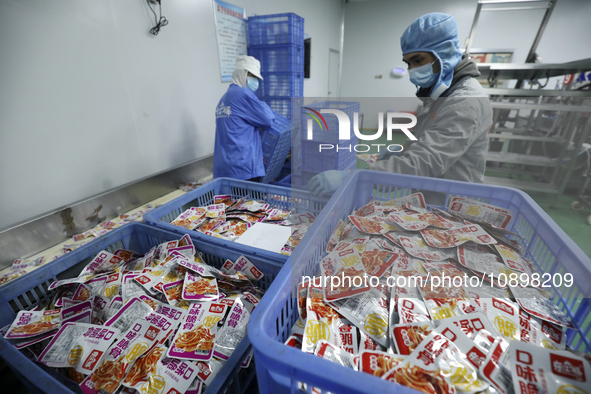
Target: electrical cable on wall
{"type": "Point", "coordinates": [159, 21]}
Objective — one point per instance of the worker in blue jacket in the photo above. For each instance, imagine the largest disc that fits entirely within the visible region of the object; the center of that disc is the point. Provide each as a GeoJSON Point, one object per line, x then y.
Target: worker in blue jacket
{"type": "Point", "coordinates": [239, 115]}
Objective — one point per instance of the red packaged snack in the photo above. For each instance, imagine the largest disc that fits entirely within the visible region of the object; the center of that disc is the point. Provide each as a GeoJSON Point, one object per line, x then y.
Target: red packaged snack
{"type": "Point", "coordinates": [480, 212]}
{"type": "Point", "coordinates": [406, 337]}
{"type": "Point", "coordinates": [377, 363]}
{"type": "Point", "coordinates": [344, 274]}
{"type": "Point", "coordinates": [540, 332]}
{"type": "Point", "coordinates": [457, 236]}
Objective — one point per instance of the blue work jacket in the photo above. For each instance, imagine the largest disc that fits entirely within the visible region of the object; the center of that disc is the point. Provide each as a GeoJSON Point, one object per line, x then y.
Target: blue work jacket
{"type": "Point", "coordinates": [237, 153]}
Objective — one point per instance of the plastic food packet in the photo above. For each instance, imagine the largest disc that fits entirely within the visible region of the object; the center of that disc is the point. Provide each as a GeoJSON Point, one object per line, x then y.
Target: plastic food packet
{"type": "Point", "coordinates": [19, 264]}
{"type": "Point", "coordinates": [539, 370]}
{"type": "Point", "coordinates": [467, 347]}
{"type": "Point", "coordinates": [322, 321]}
{"type": "Point", "coordinates": [377, 363]}
{"type": "Point", "coordinates": [480, 212]}
{"type": "Point", "coordinates": [335, 354]}
{"type": "Point", "coordinates": [118, 359]}
{"type": "Point", "coordinates": [302, 296]}
{"type": "Point", "coordinates": [215, 211]}
{"type": "Point", "coordinates": [410, 306]}
{"type": "Point", "coordinates": [344, 266]}
{"type": "Point", "coordinates": [10, 276]}
{"type": "Point", "coordinates": [102, 262]}
{"type": "Point", "coordinates": [195, 338]}
{"type": "Point", "coordinates": [437, 364]}
{"type": "Point", "coordinates": [443, 302]}
{"type": "Point", "coordinates": [504, 316]}
{"type": "Point", "coordinates": [540, 332]}
{"type": "Point", "coordinates": [416, 199]}
{"type": "Point", "coordinates": [78, 345]}
{"type": "Point", "coordinates": [79, 312]}
{"type": "Point", "coordinates": [244, 266]}
{"type": "Point", "coordinates": [126, 255]}
{"type": "Point", "coordinates": [32, 323]}
{"type": "Point", "coordinates": [171, 374]}
{"type": "Point", "coordinates": [406, 337]}
{"type": "Point", "coordinates": [210, 225]}
{"type": "Point", "coordinates": [415, 245]}
{"type": "Point", "coordinates": [443, 269]}
{"type": "Point", "coordinates": [536, 303]}
{"type": "Point", "coordinates": [167, 272]}
{"type": "Point", "coordinates": [514, 260]}
{"type": "Point", "coordinates": [367, 311]}
{"type": "Point", "coordinates": [252, 206]}
{"type": "Point", "coordinates": [376, 262]}
{"type": "Point", "coordinates": [143, 367]}
{"type": "Point", "coordinates": [225, 199]}
{"type": "Point", "coordinates": [335, 236]}
{"type": "Point", "coordinates": [471, 324]}
{"type": "Point", "coordinates": [207, 370]}
{"type": "Point", "coordinates": [133, 310]}
{"type": "Point", "coordinates": [457, 236]}
{"type": "Point", "coordinates": [294, 341]}
{"type": "Point", "coordinates": [233, 330]}
{"type": "Point", "coordinates": [129, 287]}
{"type": "Point", "coordinates": [348, 338]}
{"type": "Point", "coordinates": [174, 294]}
{"type": "Point", "coordinates": [277, 214]}
{"type": "Point", "coordinates": [411, 221]}
{"type": "Point", "coordinates": [373, 225]}
{"type": "Point", "coordinates": [198, 288]}
{"type": "Point", "coordinates": [495, 369]}
{"type": "Point", "coordinates": [42, 340]}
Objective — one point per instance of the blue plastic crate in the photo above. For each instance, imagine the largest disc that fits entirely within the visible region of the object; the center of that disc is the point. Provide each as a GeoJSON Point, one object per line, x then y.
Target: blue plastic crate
{"type": "Point", "coordinates": [276, 143]}
{"type": "Point", "coordinates": [318, 161]}
{"type": "Point", "coordinates": [30, 290]}
{"type": "Point", "coordinates": [274, 58]}
{"type": "Point", "coordinates": [276, 29]}
{"type": "Point", "coordinates": [280, 368]}
{"type": "Point", "coordinates": [277, 196]}
{"type": "Point", "coordinates": [328, 133]}
{"type": "Point", "coordinates": [283, 106]}
{"type": "Point", "coordinates": [281, 84]}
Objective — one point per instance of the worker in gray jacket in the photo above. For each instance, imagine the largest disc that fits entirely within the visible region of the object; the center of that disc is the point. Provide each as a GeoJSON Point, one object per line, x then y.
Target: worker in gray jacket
{"type": "Point", "coordinates": [453, 124]}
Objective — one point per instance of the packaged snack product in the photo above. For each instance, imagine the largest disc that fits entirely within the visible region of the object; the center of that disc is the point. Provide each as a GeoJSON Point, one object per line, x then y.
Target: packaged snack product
{"type": "Point", "coordinates": [540, 370]}
{"type": "Point", "coordinates": [536, 303]}
{"type": "Point", "coordinates": [377, 363]}
{"type": "Point", "coordinates": [540, 332]}
{"type": "Point", "coordinates": [335, 236]}
{"type": "Point", "coordinates": [514, 260]}
{"type": "Point", "coordinates": [406, 337]}
{"type": "Point", "coordinates": [369, 312]}
{"type": "Point", "coordinates": [133, 310]}
{"type": "Point", "coordinates": [79, 312]}
{"type": "Point", "coordinates": [480, 212]}
{"type": "Point", "coordinates": [410, 306]}
{"type": "Point", "coordinates": [233, 330]}
{"type": "Point", "coordinates": [414, 244]}
{"type": "Point", "coordinates": [373, 225]}
{"type": "Point", "coordinates": [376, 262]}
{"type": "Point", "coordinates": [171, 374]}
{"type": "Point", "coordinates": [78, 345]}
{"type": "Point", "coordinates": [195, 338]}
{"type": "Point", "coordinates": [504, 316]}
{"type": "Point", "coordinates": [199, 288]}
{"type": "Point", "coordinates": [415, 199]}
{"type": "Point", "coordinates": [444, 302]}
{"type": "Point", "coordinates": [19, 264]}
{"type": "Point", "coordinates": [335, 354]}
{"type": "Point", "coordinates": [412, 221]}
{"type": "Point", "coordinates": [457, 236]}
{"type": "Point", "coordinates": [244, 266]}
{"type": "Point", "coordinates": [143, 367]}
{"type": "Point", "coordinates": [322, 321]}
{"type": "Point", "coordinates": [32, 323]}
{"type": "Point", "coordinates": [495, 369]}
{"type": "Point", "coordinates": [347, 269]}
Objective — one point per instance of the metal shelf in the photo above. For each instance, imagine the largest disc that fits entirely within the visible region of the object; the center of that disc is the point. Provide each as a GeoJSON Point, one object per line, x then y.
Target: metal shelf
{"type": "Point", "coordinates": [496, 71]}
{"type": "Point", "coordinates": [537, 92]}
{"type": "Point", "coordinates": [508, 136]}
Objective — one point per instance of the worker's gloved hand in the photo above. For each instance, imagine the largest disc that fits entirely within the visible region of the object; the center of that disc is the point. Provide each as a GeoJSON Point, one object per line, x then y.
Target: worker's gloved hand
{"type": "Point", "coordinates": [327, 182]}
{"type": "Point", "coordinates": [385, 154]}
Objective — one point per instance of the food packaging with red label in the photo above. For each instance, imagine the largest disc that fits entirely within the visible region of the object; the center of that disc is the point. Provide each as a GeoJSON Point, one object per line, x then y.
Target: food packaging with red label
{"type": "Point", "coordinates": [32, 323]}
{"type": "Point", "coordinates": [195, 338]}
{"type": "Point", "coordinates": [536, 303]}
{"type": "Point", "coordinates": [78, 345]}
{"type": "Point", "coordinates": [344, 275]}
{"type": "Point", "coordinates": [335, 236]}
{"type": "Point", "coordinates": [414, 244]}
{"type": "Point", "coordinates": [199, 288]}
{"type": "Point", "coordinates": [322, 322]}
{"type": "Point", "coordinates": [514, 260]}
{"type": "Point", "coordinates": [495, 369]}
{"type": "Point", "coordinates": [143, 367]}
{"type": "Point", "coordinates": [373, 225]}
{"type": "Point", "coordinates": [377, 363]}
{"type": "Point", "coordinates": [173, 375]}
{"type": "Point", "coordinates": [504, 316]}
{"type": "Point", "coordinates": [233, 330]}
{"type": "Point", "coordinates": [335, 354]}
{"type": "Point", "coordinates": [133, 310]}
{"type": "Point", "coordinates": [457, 236]}
{"type": "Point", "coordinates": [539, 370]}
{"type": "Point", "coordinates": [406, 337]}
{"type": "Point", "coordinates": [480, 212]}
{"type": "Point", "coordinates": [540, 332]}
{"type": "Point", "coordinates": [411, 221]}
{"type": "Point", "coordinates": [244, 266]}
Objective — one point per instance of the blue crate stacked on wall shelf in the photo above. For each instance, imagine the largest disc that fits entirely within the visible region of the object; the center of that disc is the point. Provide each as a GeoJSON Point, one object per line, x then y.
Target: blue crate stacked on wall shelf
{"type": "Point", "coordinates": [277, 41]}
{"type": "Point", "coordinates": [325, 130]}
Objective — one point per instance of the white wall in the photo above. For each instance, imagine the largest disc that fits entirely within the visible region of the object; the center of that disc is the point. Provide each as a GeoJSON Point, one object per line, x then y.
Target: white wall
{"type": "Point", "coordinates": [90, 101]}
{"type": "Point", "coordinates": [373, 29]}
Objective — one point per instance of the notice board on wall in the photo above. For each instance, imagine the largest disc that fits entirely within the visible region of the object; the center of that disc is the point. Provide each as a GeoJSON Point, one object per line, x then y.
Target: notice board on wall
{"type": "Point", "coordinates": [230, 25]}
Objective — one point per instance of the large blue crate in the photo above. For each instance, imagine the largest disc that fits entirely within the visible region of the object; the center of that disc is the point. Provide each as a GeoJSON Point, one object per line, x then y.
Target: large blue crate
{"type": "Point", "coordinates": [276, 29]}
{"type": "Point", "coordinates": [276, 143]}
{"type": "Point", "coordinates": [288, 107]}
{"type": "Point", "coordinates": [280, 368]}
{"type": "Point", "coordinates": [298, 201]}
{"type": "Point", "coordinates": [286, 84]}
{"type": "Point", "coordinates": [31, 290]}
{"type": "Point", "coordinates": [273, 58]}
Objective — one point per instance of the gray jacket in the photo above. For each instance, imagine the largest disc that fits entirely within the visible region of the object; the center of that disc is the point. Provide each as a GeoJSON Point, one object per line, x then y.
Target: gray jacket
{"type": "Point", "coordinates": [451, 131]}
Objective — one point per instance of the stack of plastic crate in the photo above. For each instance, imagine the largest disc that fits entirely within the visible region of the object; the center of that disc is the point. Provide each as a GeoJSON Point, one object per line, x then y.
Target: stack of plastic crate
{"type": "Point", "coordinates": [277, 41]}
{"type": "Point", "coordinates": [312, 160]}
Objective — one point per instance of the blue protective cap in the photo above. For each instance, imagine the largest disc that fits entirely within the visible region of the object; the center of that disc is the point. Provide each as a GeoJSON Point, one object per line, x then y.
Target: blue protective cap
{"type": "Point", "coordinates": [436, 33]}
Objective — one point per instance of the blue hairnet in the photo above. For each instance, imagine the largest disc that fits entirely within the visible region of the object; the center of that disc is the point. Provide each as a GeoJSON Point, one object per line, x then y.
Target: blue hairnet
{"type": "Point", "coordinates": [436, 33]}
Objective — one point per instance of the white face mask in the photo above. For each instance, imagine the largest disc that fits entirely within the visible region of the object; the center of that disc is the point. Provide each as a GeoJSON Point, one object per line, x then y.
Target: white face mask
{"type": "Point", "coordinates": [252, 83]}
{"type": "Point", "coordinates": [423, 76]}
